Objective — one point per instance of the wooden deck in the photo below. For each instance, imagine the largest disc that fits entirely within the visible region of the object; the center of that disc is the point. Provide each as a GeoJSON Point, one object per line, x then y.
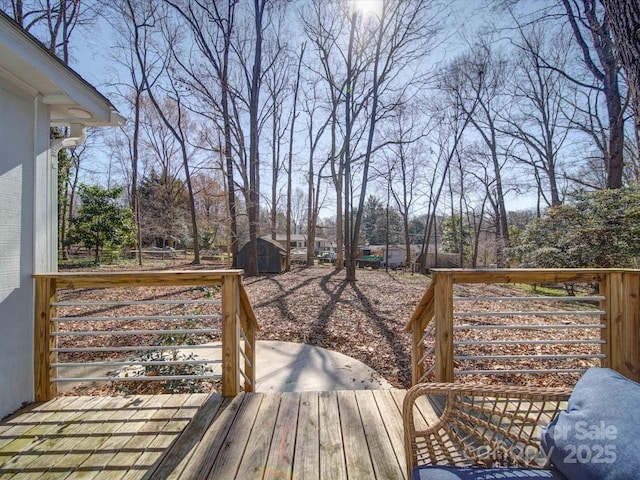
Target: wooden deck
{"type": "Point", "coordinates": [309, 435]}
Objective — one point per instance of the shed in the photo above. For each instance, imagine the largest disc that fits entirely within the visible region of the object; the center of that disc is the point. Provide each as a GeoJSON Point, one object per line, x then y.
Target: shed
{"type": "Point", "coordinates": [298, 241]}
{"type": "Point", "coordinates": [37, 91]}
{"type": "Point", "coordinates": [272, 258]}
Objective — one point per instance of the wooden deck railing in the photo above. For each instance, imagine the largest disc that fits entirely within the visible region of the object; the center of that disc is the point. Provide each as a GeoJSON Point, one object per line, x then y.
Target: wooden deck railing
{"type": "Point", "coordinates": [603, 326]}
{"type": "Point", "coordinates": [222, 312]}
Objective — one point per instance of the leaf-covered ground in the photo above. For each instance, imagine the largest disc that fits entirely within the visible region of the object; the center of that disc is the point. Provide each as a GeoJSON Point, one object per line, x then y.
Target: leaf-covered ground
{"type": "Point", "coordinates": [363, 319]}
{"type": "Point", "coordinates": [366, 320]}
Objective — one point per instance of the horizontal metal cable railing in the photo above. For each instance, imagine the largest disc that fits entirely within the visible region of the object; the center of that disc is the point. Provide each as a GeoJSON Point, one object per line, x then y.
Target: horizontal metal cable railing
{"type": "Point", "coordinates": [144, 326]}
{"type": "Point", "coordinates": [477, 351]}
{"type": "Point", "coordinates": [514, 337]}
{"type": "Point", "coordinates": [170, 328]}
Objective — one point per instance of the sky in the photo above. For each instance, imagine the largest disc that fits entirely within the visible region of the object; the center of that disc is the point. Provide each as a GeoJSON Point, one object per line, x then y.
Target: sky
{"type": "Point", "coordinates": [90, 57]}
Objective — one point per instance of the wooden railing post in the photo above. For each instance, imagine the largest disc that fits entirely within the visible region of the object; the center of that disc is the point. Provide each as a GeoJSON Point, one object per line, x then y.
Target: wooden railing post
{"type": "Point", "coordinates": [630, 335]}
{"type": "Point", "coordinates": [622, 322]}
{"type": "Point", "coordinates": [443, 309]}
{"type": "Point", "coordinates": [230, 335]}
{"type": "Point", "coordinates": [43, 356]}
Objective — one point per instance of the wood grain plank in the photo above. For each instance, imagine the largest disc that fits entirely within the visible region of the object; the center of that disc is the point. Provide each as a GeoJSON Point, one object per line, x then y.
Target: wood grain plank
{"type": "Point", "coordinates": [385, 461]}
{"type": "Point", "coordinates": [205, 451]}
{"type": "Point", "coordinates": [106, 444]}
{"type": "Point", "coordinates": [357, 456]}
{"type": "Point", "coordinates": [48, 450]}
{"type": "Point", "coordinates": [23, 425]}
{"type": "Point", "coordinates": [26, 439]}
{"type": "Point", "coordinates": [255, 456]}
{"type": "Point", "coordinates": [137, 279]}
{"type": "Point", "coordinates": [443, 311]}
{"type": "Point", "coordinates": [157, 443]}
{"type": "Point", "coordinates": [306, 459]}
{"type": "Point", "coordinates": [391, 416]}
{"type": "Point", "coordinates": [280, 460]}
{"type": "Point", "coordinates": [71, 441]}
{"type": "Point", "coordinates": [230, 455]}
{"type": "Point", "coordinates": [332, 461]}
{"type": "Point", "coordinates": [230, 336]}
{"type": "Point", "coordinates": [132, 449]}
{"type": "Point", "coordinates": [156, 435]}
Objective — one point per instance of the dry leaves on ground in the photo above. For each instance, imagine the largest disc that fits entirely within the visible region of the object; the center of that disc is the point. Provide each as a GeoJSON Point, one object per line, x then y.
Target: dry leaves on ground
{"type": "Point", "coordinates": [366, 320]}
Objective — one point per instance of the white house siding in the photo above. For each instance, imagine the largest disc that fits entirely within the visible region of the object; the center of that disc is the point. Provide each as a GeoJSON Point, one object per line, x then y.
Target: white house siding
{"type": "Point", "coordinates": [396, 256]}
{"type": "Point", "coordinates": [17, 181]}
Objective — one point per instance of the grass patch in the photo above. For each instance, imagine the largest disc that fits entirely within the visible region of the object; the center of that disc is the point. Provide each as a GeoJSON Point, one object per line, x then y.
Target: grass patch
{"type": "Point", "coordinates": [541, 290]}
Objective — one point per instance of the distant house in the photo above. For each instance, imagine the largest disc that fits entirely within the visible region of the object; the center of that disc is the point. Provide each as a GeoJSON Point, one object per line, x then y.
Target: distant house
{"type": "Point", "coordinates": [37, 91]}
{"type": "Point", "coordinates": [395, 258]}
{"type": "Point", "coordinates": [299, 241]}
{"type": "Point", "coordinates": [272, 258]}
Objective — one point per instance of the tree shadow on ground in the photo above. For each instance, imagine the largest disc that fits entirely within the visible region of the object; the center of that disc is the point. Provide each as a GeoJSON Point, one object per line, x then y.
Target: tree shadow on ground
{"type": "Point", "coordinates": [401, 355]}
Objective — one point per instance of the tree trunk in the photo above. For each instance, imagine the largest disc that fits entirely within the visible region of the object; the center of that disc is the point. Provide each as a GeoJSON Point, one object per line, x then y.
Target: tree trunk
{"type": "Point", "coordinates": [624, 20]}
{"type": "Point", "coordinates": [290, 159]}
{"type": "Point", "coordinates": [253, 207]}
{"type": "Point", "coordinates": [607, 75]}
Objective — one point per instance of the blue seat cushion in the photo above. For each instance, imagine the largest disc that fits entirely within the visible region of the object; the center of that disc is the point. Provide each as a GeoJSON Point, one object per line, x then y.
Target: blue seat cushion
{"type": "Point", "coordinates": [597, 436]}
{"type": "Point", "coordinates": [437, 472]}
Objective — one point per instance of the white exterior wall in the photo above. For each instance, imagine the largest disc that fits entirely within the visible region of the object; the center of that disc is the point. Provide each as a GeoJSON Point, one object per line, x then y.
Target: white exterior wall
{"type": "Point", "coordinates": [396, 256]}
{"type": "Point", "coordinates": [22, 251]}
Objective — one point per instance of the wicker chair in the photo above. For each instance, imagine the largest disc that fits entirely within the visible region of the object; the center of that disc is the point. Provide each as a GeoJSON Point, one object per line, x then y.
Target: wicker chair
{"type": "Point", "coordinates": [478, 425]}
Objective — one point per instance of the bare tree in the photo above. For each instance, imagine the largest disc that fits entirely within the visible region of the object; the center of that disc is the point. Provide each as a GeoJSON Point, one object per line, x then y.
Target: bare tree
{"type": "Point", "coordinates": [68, 178]}
{"type": "Point", "coordinates": [624, 21]}
{"type": "Point", "coordinates": [135, 23]}
{"type": "Point", "coordinates": [212, 26]}
{"type": "Point", "coordinates": [593, 37]}
{"type": "Point", "coordinates": [53, 22]}
{"type": "Point", "coordinates": [318, 120]}
{"type": "Point", "coordinates": [404, 167]}
{"type": "Point", "coordinates": [401, 36]}
{"type": "Point", "coordinates": [451, 123]}
{"type": "Point", "coordinates": [292, 128]}
{"type": "Point", "coordinates": [277, 83]}
{"type": "Point", "coordinates": [324, 26]}
{"type": "Point", "coordinates": [253, 205]}
{"type": "Point", "coordinates": [536, 119]}
{"type": "Point", "coordinates": [475, 82]}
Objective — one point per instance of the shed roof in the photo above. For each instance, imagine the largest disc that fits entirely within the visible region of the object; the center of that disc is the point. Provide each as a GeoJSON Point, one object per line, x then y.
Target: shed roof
{"type": "Point", "coordinates": [28, 65]}
{"type": "Point", "coordinates": [274, 243]}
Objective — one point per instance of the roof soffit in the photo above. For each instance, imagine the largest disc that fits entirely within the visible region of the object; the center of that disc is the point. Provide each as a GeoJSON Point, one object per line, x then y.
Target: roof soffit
{"type": "Point", "coordinates": [28, 65]}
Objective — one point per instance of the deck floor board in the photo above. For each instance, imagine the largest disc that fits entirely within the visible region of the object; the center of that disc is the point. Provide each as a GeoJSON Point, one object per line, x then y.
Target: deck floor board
{"type": "Point", "coordinates": [265, 436]}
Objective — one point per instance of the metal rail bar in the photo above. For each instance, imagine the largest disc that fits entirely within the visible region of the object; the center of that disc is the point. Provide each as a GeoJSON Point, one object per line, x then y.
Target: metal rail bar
{"type": "Point", "coordinates": [529, 357]}
{"type": "Point", "coordinates": [507, 372]}
{"type": "Point", "coordinates": [137, 318]}
{"type": "Point", "coordinates": [131, 348]}
{"type": "Point", "coordinates": [135, 302]}
{"type": "Point", "coordinates": [427, 333]}
{"type": "Point", "coordinates": [529, 342]}
{"type": "Point", "coordinates": [246, 359]}
{"type": "Point", "coordinates": [535, 313]}
{"type": "Point", "coordinates": [246, 379]}
{"type": "Point", "coordinates": [426, 373]}
{"type": "Point", "coordinates": [527, 327]}
{"type": "Point", "coordinates": [133, 332]}
{"type": "Point", "coordinates": [427, 354]}
{"type": "Point", "coordinates": [134, 362]}
{"type": "Point", "coordinates": [595, 298]}
{"type": "Point", "coordinates": [134, 378]}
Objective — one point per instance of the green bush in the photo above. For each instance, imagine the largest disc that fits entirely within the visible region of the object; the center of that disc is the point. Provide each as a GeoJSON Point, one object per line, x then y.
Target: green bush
{"type": "Point", "coordinates": [594, 230]}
